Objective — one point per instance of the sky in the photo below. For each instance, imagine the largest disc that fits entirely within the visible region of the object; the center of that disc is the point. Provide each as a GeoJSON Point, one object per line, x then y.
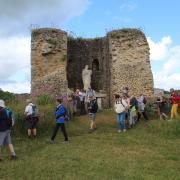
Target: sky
{"type": "Point", "coordinates": [158, 19]}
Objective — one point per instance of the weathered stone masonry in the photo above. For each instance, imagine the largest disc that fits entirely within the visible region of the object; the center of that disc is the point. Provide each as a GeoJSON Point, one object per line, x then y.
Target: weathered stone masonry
{"type": "Point", "coordinates": [119, 59]}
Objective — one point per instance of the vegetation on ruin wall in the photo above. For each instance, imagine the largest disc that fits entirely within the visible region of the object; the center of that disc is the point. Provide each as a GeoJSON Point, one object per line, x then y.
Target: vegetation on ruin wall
{"type": "Point", "coordinates": [123, 33]}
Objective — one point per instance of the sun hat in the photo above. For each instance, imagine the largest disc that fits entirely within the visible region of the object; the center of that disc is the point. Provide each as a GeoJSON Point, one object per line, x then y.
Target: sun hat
{"type": "Point", "coordinates": [2, 103]}
{"type": "Point", "coordinates": [28, 100]}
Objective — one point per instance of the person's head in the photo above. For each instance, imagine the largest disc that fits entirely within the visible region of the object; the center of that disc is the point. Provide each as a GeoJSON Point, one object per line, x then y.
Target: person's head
{"type": "Point", "coordinates": [2, 103]}
{"type": "Point", "coordinates": [28, 101]}
{"type": "Point", "coordinates": [59, 101]}
{"type": "Point", "coordinates": [116, 96]}
{"type": "Point", "coordinates": [171, 90]}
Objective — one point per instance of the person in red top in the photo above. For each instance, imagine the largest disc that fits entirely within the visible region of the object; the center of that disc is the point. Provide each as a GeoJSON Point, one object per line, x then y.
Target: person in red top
{"type": "Point", "coordinates": [174, 99]}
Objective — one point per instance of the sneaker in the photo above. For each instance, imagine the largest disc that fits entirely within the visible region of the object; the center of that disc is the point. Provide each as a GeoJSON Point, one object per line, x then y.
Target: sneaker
{"type": "Point", "coordinates": [124, 130]}
{"type": "Point", "coordinates": [50, 141]}
{"type": "Point", "coordinates": [169, 120]}
{"type": "Point", "coordinates": [119, 131]}
{"type": "Point", "coordinates": [65, 142]}
{"type": "Point", "coordinates": [13, 157]}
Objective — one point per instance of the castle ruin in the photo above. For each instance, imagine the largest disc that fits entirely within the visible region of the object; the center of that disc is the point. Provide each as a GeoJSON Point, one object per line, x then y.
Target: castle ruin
{"type": "Point", "coordinates": [119, 59]}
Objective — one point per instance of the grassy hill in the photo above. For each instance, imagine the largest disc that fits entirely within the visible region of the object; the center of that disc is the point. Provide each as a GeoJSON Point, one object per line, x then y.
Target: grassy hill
{"type": "Point", "coordinates": [149, 151]}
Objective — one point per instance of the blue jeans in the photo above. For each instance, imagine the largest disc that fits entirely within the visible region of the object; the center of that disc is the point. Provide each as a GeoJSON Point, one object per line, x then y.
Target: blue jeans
{"type": "Point", "coordinates": [121, 120]}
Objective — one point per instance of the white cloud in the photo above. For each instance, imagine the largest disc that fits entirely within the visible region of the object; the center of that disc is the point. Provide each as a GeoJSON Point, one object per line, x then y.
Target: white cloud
{"type": "Point", "coordinates": [168, 75]}
{"type": "Point", "coordinates": [17, 15]}
{"type": "Point", "coordinates": [16, 87]}
{"type": "Point", "coordinates": [14, 55]}
{"type": "Point", "coordinates": [14, 63]}
{"type": "Point", "coordinates": [159, 50]}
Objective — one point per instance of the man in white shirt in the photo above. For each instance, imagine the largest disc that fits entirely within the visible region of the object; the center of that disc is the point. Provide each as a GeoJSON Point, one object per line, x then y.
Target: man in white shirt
{"type": "Point", "coordinates": [31, 118]}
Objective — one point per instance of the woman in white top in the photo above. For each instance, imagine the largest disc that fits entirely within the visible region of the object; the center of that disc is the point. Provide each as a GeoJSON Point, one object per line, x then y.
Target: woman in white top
{"type": "Point", "coordinates": [120, 107]}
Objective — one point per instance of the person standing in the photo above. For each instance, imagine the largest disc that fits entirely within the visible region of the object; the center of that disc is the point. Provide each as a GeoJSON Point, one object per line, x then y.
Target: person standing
{"type": "Point", "coordinates": [60, 114]}
{"type": "Point", "coordinates": [31, 114]}
{"type": "Point", "coordinates": [174, 99]}
{"type": "Point", "coordinates": [161, 105]}
{"type": "Point", "coordinates": [93, 107]}
{"type": "Point", "coordinates": [141, 108]}
{"type": "Point", "coordinates": [120, 107]}
{"type": "Point", "coordinates": [81, 95]}
{"type": "Point", "coordinates": [5, 130]}
{"type": "Point", "coordinates": [133, 111]}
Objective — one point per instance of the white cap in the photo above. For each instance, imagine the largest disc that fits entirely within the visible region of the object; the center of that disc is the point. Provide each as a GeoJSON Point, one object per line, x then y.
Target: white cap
{"type": "Point", "coordinates": [2, 104]}
{"type": "Point", "coordinates": [28, 100]}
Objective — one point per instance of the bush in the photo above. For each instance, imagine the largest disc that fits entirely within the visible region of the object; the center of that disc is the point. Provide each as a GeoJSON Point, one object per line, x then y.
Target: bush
{"type": "Point", "coordinates": [44, 99]}
{"type": "Point", "coordinates": [6, 96]}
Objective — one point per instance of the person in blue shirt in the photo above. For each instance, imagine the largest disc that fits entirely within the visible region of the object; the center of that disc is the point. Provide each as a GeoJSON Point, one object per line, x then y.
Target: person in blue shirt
{"type": "Point", "coordinates": [60, 114]}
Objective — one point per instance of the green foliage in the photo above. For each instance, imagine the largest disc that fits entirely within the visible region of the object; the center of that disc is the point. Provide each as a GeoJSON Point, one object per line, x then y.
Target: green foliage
{"type": "Point", "coordinates": [44, 99]}
{"type": "Point", "coordinates": [148, 151]}
{"type": "Point", "coordinates": [6, 96]}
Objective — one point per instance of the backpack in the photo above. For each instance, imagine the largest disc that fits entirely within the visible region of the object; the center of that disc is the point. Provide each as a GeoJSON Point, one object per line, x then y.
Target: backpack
{"type": "Point", "coordinates": [93, 106]}
{"type": "Point", "coordinates": [119, 107]}
{"type": "Point", "coordinates": [10, 117]}
{"type": "Point", "coordinates": [34, 111]}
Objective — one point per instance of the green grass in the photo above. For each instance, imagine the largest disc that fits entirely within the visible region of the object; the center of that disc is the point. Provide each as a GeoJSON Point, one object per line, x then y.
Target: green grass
{"type": "Point", "coordinates": [150, 151]}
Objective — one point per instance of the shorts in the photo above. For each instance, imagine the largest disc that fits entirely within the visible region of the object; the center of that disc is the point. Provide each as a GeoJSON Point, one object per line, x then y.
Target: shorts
{"type": "Point", "coordinates": [92, 116]}
{"type": "Point", "coordinates": [5, 138]}
{"type": "Point", "coordinates": [31, 122]}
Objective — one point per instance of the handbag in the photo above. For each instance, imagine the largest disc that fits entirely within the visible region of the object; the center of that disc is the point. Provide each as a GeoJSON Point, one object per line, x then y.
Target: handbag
{"type": "Point", "coordinates": [119, 107]}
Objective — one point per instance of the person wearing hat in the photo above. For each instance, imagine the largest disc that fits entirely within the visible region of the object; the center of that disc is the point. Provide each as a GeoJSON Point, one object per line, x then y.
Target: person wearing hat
{"type": "Point", "coordinates": [31, 118]}
{"type": "Point", "coordinates": [5, 126]}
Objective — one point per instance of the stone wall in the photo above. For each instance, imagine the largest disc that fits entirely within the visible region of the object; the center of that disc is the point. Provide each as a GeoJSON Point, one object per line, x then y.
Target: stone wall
{"type": "Point", "coordinates": [129, 62]}
{"type": "Point", "coordinates": [91, 52]}
{"type": "Point", "coordinates": [119, 59]}
{"type": "Point", "coordinates": [48, 61]}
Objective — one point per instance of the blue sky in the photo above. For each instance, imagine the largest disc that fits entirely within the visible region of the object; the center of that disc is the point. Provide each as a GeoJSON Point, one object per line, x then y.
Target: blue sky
{"type": "Point", "coordinates": [158, 19]}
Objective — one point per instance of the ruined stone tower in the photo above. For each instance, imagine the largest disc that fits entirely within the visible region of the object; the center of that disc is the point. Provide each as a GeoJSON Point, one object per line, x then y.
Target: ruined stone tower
{"type": "Point", "coordinates": [48, 61]}
{"type": "Point", "coordinates": [119, 59]}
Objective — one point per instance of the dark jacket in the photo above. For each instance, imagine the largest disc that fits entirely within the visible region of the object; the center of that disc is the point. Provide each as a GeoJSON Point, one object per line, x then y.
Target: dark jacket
{"type": "Point", "coordinates": [93, 106]}
{"type": "Point", "coordinates": [4, 120]}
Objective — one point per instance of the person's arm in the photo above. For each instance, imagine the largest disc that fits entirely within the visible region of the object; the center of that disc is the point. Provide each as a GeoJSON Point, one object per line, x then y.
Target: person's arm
{"type": "Point", "coordinates": [59, 112]}
{"type": "Point", "coordinates": [26, 110]}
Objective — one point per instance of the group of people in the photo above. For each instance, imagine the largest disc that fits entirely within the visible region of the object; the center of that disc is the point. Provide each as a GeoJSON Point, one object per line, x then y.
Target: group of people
{"type": "Point", "coordinates": [128, 108]}
{"type": "Point", "coordinates": [162, 103]}
{"type": "Point", "coordinates": [62, 113]}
